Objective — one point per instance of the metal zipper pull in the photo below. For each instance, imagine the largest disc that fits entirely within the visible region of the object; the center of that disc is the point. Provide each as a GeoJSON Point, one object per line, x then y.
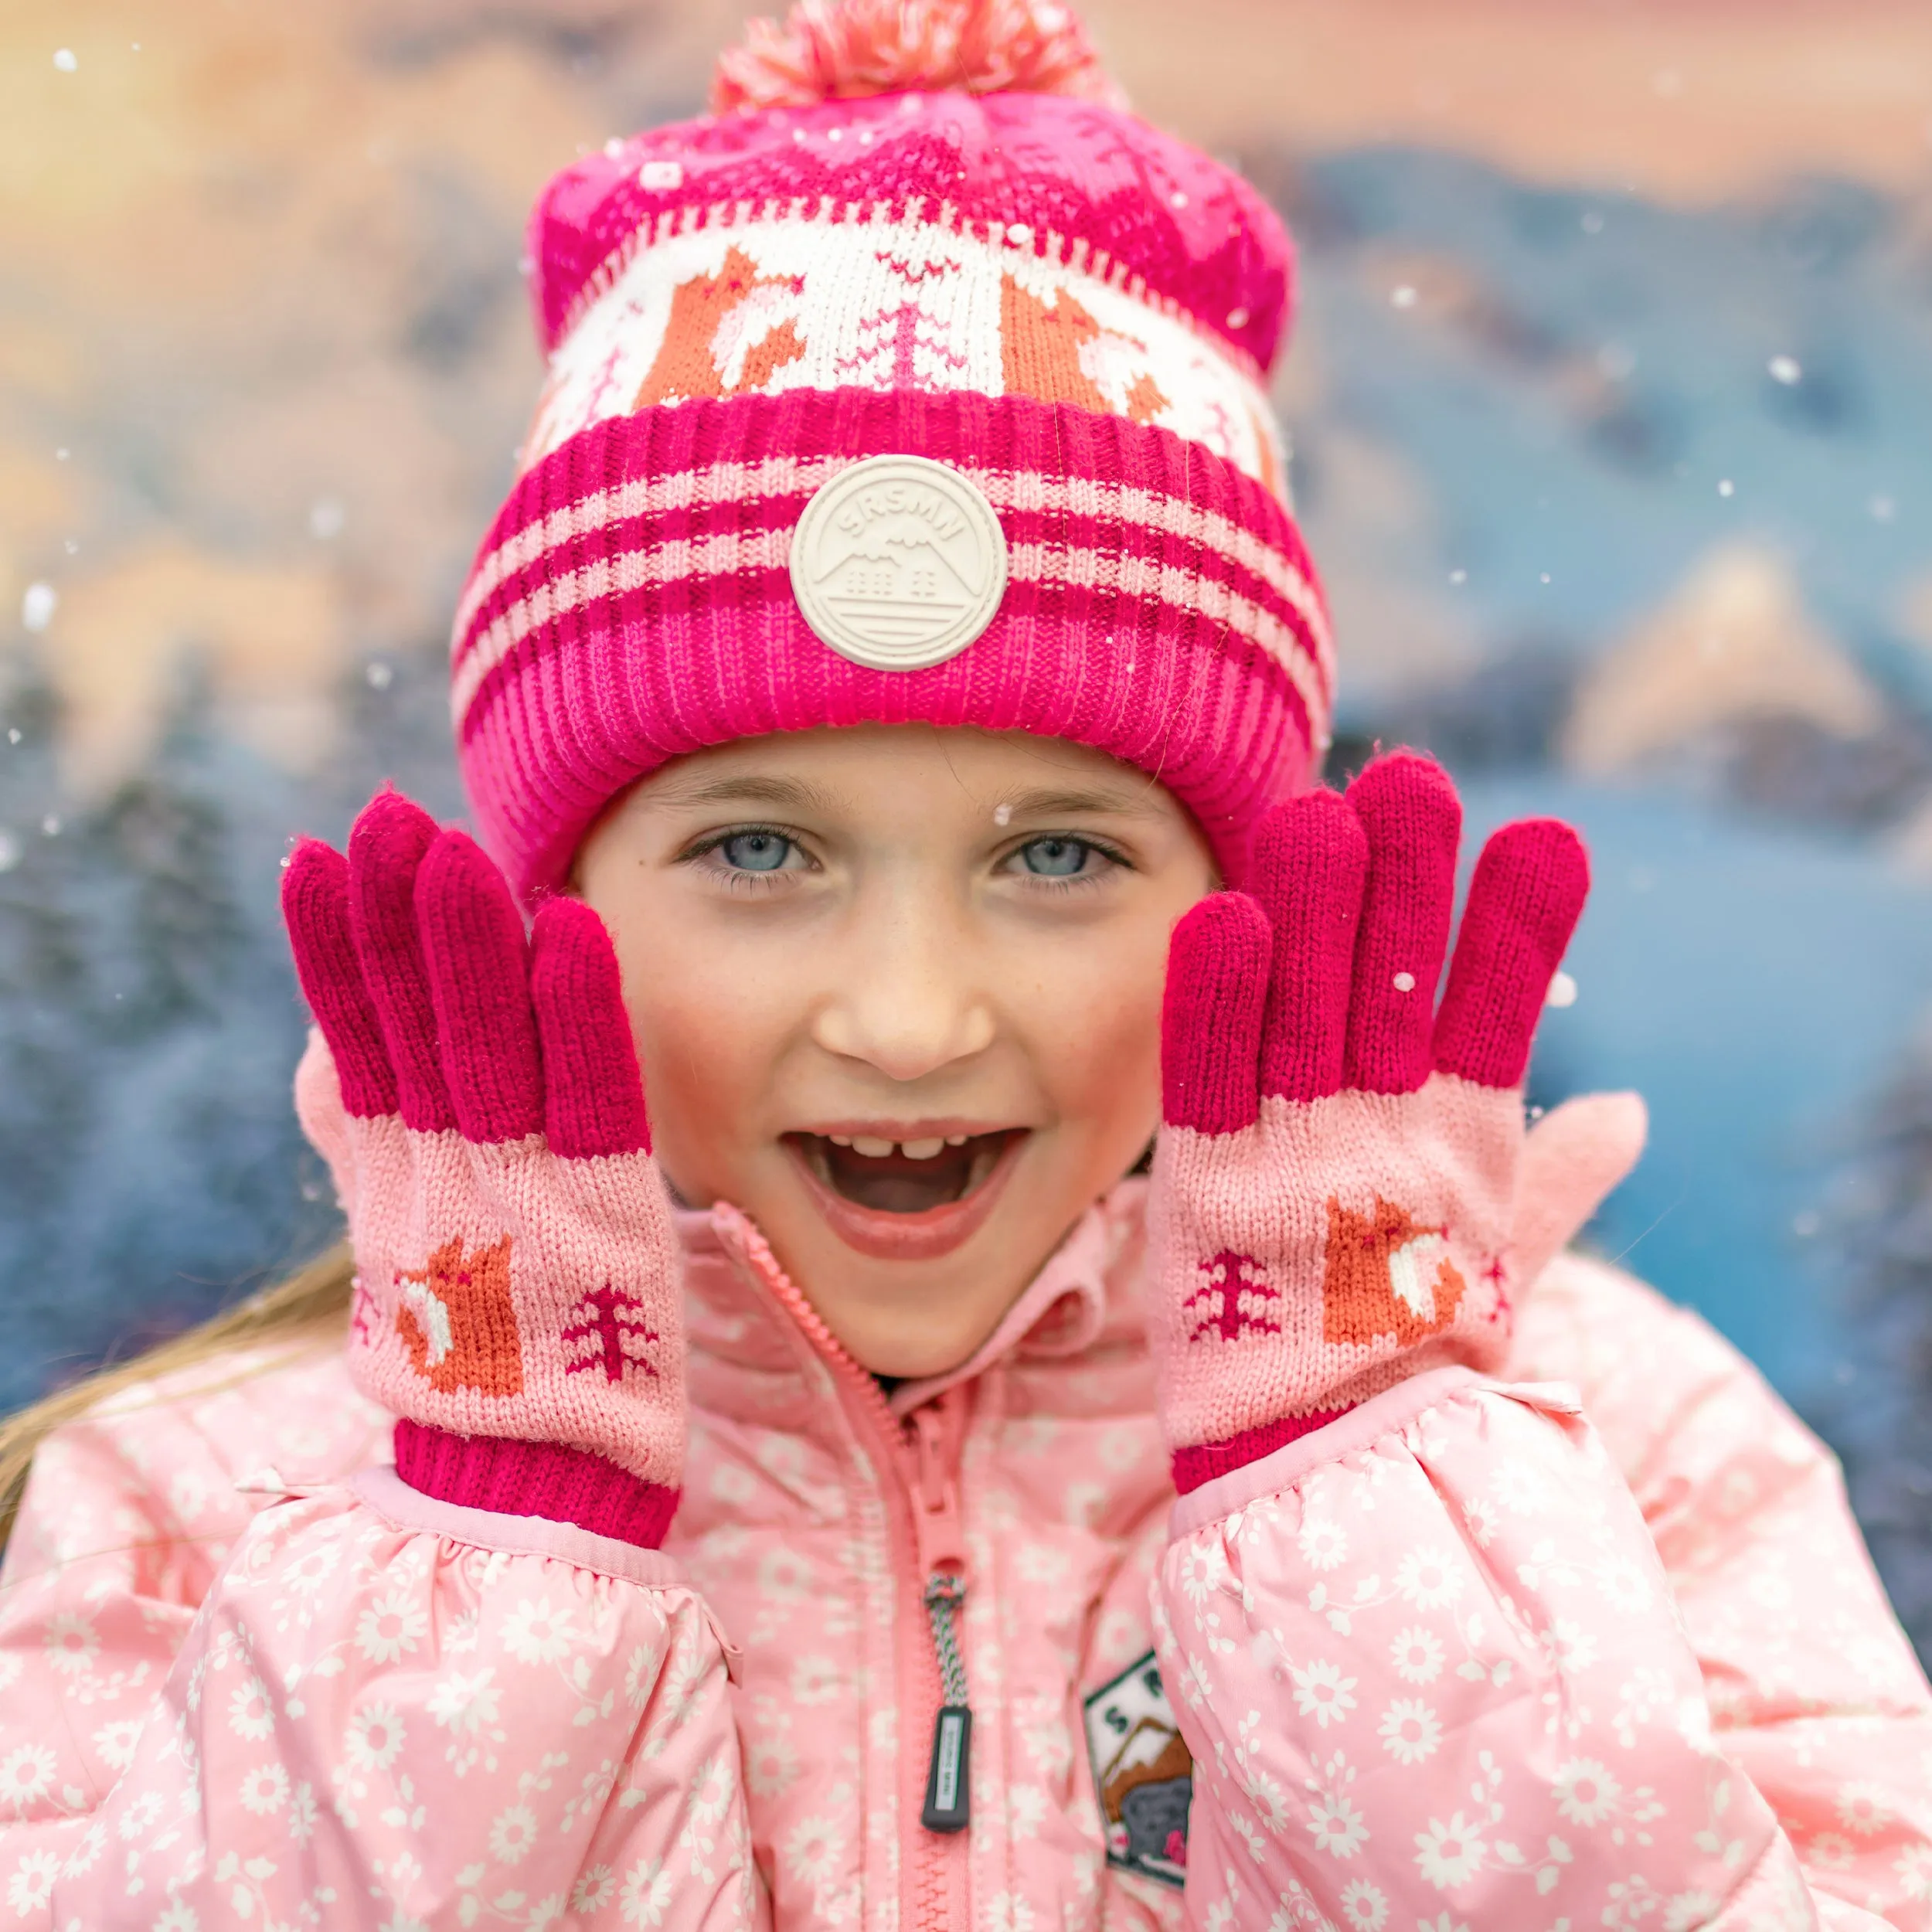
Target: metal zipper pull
{"type": "Point", "coordinates": [948, 1798]}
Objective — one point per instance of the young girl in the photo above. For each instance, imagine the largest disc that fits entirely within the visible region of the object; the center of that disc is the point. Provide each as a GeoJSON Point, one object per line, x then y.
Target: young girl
{"type": "Point", "coordinates": [838, 1497]}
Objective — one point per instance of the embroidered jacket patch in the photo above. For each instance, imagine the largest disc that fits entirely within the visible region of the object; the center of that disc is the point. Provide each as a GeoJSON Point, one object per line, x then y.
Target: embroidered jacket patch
{"type": "Point", "coordinates": [1143, 1774]}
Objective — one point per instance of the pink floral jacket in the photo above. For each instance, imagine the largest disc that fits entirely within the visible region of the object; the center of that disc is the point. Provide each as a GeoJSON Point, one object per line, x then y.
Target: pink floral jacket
{"type": "Point", "coordinates": [1598, 1646]}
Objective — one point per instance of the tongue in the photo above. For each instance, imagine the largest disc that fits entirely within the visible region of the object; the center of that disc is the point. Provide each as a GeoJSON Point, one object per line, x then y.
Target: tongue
{"type": "Point", "coordinates": [893, 1185]}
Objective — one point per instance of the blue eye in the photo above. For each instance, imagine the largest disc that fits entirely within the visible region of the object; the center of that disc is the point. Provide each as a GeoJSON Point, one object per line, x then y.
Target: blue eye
{"type": "Point", "coordinates": [754, 851]}
{"type": "Point", "coordinates": [1055, 858]}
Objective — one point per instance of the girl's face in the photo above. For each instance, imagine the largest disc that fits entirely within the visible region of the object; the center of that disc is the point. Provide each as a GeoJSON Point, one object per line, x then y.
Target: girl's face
{"type": "Point", "coordinates": [896, 991]}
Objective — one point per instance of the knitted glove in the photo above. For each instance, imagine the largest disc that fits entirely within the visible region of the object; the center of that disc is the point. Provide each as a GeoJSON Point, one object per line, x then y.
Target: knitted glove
{"type": "Point", "coordinates": [477, 1099]}
{"type": "Point", "coordinates": [1335, 1187]}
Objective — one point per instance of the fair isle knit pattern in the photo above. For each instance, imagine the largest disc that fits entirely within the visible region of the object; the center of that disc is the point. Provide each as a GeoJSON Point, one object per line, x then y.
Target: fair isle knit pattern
{"type": "Point", "coordinates": [1075, 311]}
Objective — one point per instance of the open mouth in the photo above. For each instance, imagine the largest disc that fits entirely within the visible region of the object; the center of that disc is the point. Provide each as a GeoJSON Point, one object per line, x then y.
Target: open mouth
{"type": "Point", "coordinates": [908, 1198]}
{"type": "Point", "coordinates": [904, 1177]}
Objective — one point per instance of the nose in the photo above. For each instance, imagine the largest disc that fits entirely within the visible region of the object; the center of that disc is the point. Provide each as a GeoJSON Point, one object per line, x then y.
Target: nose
{"type": "Point", "coordinates": [908, 1001]}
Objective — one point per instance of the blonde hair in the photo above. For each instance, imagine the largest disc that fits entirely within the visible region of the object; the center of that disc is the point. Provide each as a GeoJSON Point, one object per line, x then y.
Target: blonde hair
{"type": "Point", "coordinates": [307, 1310]}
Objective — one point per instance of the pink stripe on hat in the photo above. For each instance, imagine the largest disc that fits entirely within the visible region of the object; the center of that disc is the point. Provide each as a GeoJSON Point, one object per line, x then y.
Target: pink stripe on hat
{"type": "Point", "coordinates": [1071, 311]}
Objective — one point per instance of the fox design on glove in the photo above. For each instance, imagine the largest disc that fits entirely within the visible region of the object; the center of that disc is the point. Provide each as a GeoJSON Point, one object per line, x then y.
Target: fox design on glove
{"type": "Point", "coordinates": [1385, 1275]}
{"type": "Point", "coordinates": [457, 1321]}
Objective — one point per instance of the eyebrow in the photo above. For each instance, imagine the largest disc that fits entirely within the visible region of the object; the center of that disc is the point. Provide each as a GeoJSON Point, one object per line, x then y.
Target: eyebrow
{"type": "Point", "coordinates": [1043, 802]}
{"type": "Point", "coordinates": [784, 794]}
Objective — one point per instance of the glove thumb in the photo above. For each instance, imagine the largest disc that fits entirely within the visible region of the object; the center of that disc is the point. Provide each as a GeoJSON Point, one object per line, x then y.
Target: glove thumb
{"type": "Point", "coordinates": [319, 1106]}
{"type": "Point", "coordinates": [1571, 1159]}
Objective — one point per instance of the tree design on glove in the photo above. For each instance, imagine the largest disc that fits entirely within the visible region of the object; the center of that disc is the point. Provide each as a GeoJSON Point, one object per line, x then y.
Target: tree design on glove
{"type": "Point", "coordinates": [1235, 1299]}
{"type": "Point", "coordinates": [609, 1318]}
{"type": "Point", "coordinates": [1334, 1185]}
{"type": "Point", "coordinates": [458, 1321]}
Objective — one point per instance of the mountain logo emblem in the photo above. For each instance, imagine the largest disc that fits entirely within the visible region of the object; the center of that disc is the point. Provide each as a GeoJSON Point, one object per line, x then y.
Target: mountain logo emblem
{"type": "Point", "coordinates": [899, 562]}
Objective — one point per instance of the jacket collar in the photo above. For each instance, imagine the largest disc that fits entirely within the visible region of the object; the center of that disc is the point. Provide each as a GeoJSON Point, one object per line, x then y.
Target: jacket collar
{"type": "Point", "coordinates": [1086, 1289]}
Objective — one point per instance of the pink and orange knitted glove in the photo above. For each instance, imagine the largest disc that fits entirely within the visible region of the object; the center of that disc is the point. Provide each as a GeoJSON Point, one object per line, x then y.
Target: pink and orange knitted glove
{"type": "Point", "coordinates": [1334, 1203]}
{"type": "Point", "coordinates": [477, 1099]}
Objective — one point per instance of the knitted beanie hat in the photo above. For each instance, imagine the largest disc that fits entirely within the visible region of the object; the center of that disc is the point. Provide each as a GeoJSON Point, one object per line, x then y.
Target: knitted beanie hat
{"type": "Point", "coordinates": [920, 381]}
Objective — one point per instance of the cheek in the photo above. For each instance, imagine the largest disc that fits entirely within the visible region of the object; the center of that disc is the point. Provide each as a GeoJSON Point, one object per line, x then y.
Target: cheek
{"type": "Point", "coordinates": [706, 1052]}
{"type": "Point", "coordinates": [1094, 1022]}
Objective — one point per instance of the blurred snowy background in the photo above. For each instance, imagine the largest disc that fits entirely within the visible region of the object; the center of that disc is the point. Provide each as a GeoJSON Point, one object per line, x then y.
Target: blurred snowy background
{"type": "Point", "coordinates": [1612, 405]}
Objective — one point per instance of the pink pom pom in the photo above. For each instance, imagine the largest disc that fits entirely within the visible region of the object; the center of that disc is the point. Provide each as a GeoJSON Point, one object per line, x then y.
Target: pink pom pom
{"type": "Point", "coordinates": [843, 49]}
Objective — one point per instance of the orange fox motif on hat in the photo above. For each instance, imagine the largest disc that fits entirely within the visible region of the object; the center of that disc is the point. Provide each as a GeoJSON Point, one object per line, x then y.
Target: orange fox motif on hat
{"type": "Point", "coordinates": [910, 229]}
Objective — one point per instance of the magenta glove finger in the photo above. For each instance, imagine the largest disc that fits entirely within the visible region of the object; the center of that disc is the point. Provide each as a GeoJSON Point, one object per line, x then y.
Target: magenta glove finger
{"type": "Point", "coordinates": [1524, 903]}
{"type": "Point", "coordinates": [474, 954]}
{"type": "Point", "coordinates": [315, 907]}
{"type": "Point", "coordinates": [594, 1092]}
{"type": "Point", "coordinates": [1217, 968]}
{"type": "Point", "coordinates": [1310, 862]}
{"type": "Point", "coordinates": [1414, 820]}
{"type": "Point", "coordinates": [385, 848]}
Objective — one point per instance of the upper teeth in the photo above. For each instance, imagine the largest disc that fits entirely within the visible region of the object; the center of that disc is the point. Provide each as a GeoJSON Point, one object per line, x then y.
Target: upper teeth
{"type": "Point", "coordinates": [877, 1150]}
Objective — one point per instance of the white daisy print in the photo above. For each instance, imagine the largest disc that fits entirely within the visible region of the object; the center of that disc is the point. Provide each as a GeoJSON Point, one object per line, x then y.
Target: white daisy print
{"type": "Point", "coordinates": [264, 1789]}
{"type": "Point", "coordinates": [1338, 1828]}
{"type": "Point", "coordinates": [31, 1884]}
{"type": "Point", "coordinates": [1364, 1907]}
{"type": "Point", "coordinates": [249, 1713]}
{"type": "Point", "coordinates": [1573, 1647]}
{"type": "Point", "coordinates": [512, 1834]}
{"type": "Point", "coordinates": [816, 1680]}
{"type": "Point", "coordinates": [1914, 1868]}
{"type": "Point", "coordinates": [1322, 1541]}
{"type": "Point", "coordinates": [391, 1628]}
{"type": "Point", "coordinates": [72, 1642]}
{"type": "Point", "coordinates": [647, 1893]}
{"type": "Point", "coordinates": [594, 1889]}
{"type": "Point", "coordinates": [1449, 1855]}
{"type": "Point", "coordinates": [1322, 1692]}
{"type": "Point", "coordinates": [1430, 1579]}
{"type": "Point", "coordinates": [1587, 1793]}
{"type": "Point", "coordinates": [1410, 1731]}
{"type": "Point", "coordinates": [465, 1702]}
{"type": "Point", "coordinates": [115, 1742]}
{"type": "Point", "coordinates": [1862, 1807]}
{"type": "Point", "coordinates": [374, 1737]}
{"type": "Point", "coordinates": [539, 1632]}
{"type": "Point", "coordinates": [1416, 1655]}
{"type": "Point", "coordinates": [26, 1776]}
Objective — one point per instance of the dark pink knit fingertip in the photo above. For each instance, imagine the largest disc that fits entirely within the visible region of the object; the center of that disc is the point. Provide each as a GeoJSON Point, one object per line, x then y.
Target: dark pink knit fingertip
{"type": "Point", "coordinates": [478, 962]}
{"type": "Point", "coordinates": [1217, 975]}
{"type": "Point", "coordinates": [315, 908]}
{"type": "Point", "coordinates": [386, 846]}
{"type": "Point", "coordinates": [593, 1090]}
{"type": "Point", "coordinates": [1524, 900]}
{"type": "Point", "coordinates": [1310, 861]}
{"type": "Point", "coordinates": [1413, 819]}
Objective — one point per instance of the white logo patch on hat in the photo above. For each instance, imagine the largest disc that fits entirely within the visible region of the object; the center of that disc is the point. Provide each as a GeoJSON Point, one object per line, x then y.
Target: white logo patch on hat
{"type": "Point", "coordinates": [899, 562]}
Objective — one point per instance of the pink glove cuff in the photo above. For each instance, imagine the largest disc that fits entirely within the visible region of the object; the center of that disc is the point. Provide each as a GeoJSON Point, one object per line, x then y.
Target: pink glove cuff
{"type": "Point", "coordinates": [547, 1479]}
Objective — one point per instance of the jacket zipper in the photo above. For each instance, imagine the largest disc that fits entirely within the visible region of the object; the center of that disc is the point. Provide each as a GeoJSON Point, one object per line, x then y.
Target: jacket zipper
{"type": "Point", "coordinates": [927, 1446]}
{"type": "Point", "coordinates": [941, 1542]}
